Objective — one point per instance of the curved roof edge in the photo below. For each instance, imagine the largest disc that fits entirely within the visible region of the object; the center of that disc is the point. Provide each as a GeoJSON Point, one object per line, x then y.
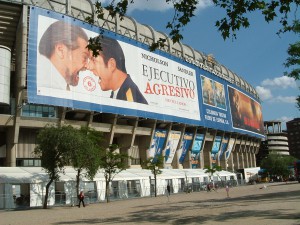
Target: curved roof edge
{"type": "Point", "coordinates": [145, 34]}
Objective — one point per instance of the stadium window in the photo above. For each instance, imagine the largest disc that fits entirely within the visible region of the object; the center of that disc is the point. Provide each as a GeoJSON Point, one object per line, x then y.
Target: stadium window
{"type": "Point", "coordinates": [25, 110]}
{"type": "Point", "coordinates": [32, 112]}
{"type": "Point", "coordinates": [28, 162]}
{"type": "Point", "coordinates": [38, 111]}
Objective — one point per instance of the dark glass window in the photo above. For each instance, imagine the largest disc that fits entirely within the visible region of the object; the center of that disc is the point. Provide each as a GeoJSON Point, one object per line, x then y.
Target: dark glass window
{"type": "Point", "coordinates": [38, 111]}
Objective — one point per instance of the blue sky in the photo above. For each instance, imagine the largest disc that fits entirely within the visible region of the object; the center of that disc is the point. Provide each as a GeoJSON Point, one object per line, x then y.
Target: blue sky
{"type": "Point", "coordinates": [257, 54]}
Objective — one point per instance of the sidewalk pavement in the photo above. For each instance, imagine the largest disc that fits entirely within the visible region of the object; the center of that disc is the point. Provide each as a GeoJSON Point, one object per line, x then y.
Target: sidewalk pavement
{"type": "Point", "coordinates": [275, 204]}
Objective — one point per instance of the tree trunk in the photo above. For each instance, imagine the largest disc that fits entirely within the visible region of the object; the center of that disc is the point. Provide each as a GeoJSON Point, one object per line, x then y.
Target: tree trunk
{"type": "Point", "coordinates": [107, 179]}
{"type": "Point", "coordinates": [155, 190]}
{"type": "Point", "coordinates": [77, 182]}
{"type": "Point", "coordinates": [45, 205]}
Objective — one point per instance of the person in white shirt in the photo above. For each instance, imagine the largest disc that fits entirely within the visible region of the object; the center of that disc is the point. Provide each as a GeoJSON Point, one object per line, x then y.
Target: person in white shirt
{"type": "Point", "coordinates": [63, 54]}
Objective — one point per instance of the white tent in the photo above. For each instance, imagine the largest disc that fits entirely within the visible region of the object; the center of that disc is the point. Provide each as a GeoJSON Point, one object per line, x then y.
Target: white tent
{"type": "Point", "coordinates": [32, 182]}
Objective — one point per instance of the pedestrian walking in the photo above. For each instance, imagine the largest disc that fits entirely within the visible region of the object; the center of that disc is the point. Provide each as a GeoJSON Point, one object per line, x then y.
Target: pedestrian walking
{"type": "Point", "coordinates": [169, 189]}
{"type": "Point", "coordinates": [208, 187]}
{"type": "Point", "coordinates": [81, 199]}
{"type": "Point", "coordinates": [227, 191]}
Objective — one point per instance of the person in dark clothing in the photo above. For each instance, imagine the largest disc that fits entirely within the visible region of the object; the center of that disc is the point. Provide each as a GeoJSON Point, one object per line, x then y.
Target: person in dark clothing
{"type": "Point", "coordinates": [109, 66]}
{"type": "Point", "coordinates": [81, 199]}
{"type": "Point", "coordinates": [169, 189]}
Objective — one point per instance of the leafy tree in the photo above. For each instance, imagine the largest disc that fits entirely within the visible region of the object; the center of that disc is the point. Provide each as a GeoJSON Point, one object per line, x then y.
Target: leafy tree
{"type": "Point", "coordinates": [52, 145]}
{"type": "Point", "coordinates": [83, 156]}
{"type": "Point", "coordinates": [154, 165]}
{"type": "Point", "coordinates": [277, 165]}
{"type": "Point", "coordinates": [236, 15]}
{"type": "Point", "coordinates": [212, 170]}
{"type": "Point", "coordinates": [183, 12]}
{"type": "Point", "coordinates": [112, 163]}
{"type": "Point", "coordinates": [237, 12]}
{"type": "Point", "coordinates": [294, 58]}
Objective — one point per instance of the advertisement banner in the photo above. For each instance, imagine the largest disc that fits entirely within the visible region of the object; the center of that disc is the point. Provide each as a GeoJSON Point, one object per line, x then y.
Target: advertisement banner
{"type": "Point", "coordinates": [215, 112]}
{"type": "Point", "coordinates": [172, 144]}
{"type": "Point", "coordinates": [157, 143]}
{"type": "Point", "coordinates": [223, 148]}
{"type": "Point", "coordinates": [125, 78]}
{"type": "Point", "coordinates": [215, 149]}
{"type": "Point", "coordinates": [196, 148]}
{"type": "Point", "coordinates": [246, 113]}
{"type": "Point", "coordinates": [229, 148]}
{"type": "Point", "coordinates": [185, 146]}
{"type": "Point", "coordinates": [213, 93]}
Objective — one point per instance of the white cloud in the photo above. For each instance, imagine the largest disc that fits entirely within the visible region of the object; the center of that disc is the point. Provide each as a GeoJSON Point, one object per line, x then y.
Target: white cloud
{"type": "Point", "coordinates": [157, 5]}
{"type": "Point", "coordinates": [264, 93]}
{"type": "Point", "coordinates": [284, 99]}
{"type": "Point", "coordinates": [282, 82]}
{"type": "Point", "coordinates": [285, 119]}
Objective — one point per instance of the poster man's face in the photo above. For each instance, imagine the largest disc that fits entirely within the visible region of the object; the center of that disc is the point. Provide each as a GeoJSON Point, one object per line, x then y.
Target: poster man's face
{"type": "Point", "coordinates": [102, 71]}
{"type": "Point", "coordinates": [76, 61]}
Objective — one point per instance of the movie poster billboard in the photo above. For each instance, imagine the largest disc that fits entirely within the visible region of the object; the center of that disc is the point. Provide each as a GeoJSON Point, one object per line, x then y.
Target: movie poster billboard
{"type": "Point", "coordinates": [172, 145]}
{"type": "Point", "coordinates": [185, 146]}
{"type": "Point", "coordinates": [157, 144]}
{"type": "Point", "coordinates": [215, 112]}
{"type": "Point", "coordinates": [229, 148]}
{"type": "Point", "coordinates": [126, 78]}
{"type": "Point", "coordinates": [196, 149]}
{"type": "Point", "coordinates": [215, 149]}
{"type": "Point", "coordinates": [213, 93]}
{"type": "Point", "coordinates": [246, 113]}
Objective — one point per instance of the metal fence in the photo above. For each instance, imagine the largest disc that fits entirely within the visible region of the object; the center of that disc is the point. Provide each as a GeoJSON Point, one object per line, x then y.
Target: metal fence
{"type": "Point", "coordinates": [91, 196]}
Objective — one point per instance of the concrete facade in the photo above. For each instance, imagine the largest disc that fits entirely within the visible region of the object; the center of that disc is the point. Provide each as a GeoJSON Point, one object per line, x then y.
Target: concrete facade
{"type": "Point", "coordinates": [19, 122]}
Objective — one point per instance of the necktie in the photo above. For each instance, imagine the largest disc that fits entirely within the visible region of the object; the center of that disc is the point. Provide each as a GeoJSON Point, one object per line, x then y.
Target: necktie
{"type": "Point", "coordinates": [111, 94]}
{"type": "Point", "coordinates": [68, 87]}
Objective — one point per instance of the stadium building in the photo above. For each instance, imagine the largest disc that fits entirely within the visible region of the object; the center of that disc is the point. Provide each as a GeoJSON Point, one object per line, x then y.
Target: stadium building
{"type": "Point", "coordinates": [195, 111]}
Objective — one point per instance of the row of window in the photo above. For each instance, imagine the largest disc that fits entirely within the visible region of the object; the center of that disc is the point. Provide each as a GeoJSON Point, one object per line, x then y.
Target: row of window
{"type": "Point", "coordinates": [38, 111]}
{"type": "Point", "coordinates": [28, 162]}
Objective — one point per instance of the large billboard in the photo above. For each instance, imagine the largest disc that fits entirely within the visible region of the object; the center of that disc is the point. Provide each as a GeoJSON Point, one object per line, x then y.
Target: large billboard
{"type": "Point", "coordinates": [246, 113]}
{"type": "Point", "coordinates": [214, 107]}
{"type": "Point", "coordinates": [126, 78]}
{"type": "Point", "coordinates": [123, 79]}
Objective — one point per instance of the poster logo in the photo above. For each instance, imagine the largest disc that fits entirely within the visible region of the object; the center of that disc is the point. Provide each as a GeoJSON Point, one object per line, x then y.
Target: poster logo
{"type": "Point", "coordinates": [89, 83]}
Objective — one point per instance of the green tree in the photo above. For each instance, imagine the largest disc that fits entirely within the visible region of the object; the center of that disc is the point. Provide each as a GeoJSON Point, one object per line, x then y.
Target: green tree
{"type": "Point", "coordinates": [53, 143]}
{"type": "Point", "coordinates": [154, 165]}
{"type": "Point", "coordinates": [236, 17]}
{"type": "Point", "coordinates": [83, 157]}
{"type": "Point", "coordinates": [294, 58]}
{"type": "Point", "coordinates": [112, 163]}
{"type": "Point", "coordinates": [183, 12]}
{"type": "Point", "coordinates": [277, 165]}
{"type": "Point", "coordinates": [212, 170]}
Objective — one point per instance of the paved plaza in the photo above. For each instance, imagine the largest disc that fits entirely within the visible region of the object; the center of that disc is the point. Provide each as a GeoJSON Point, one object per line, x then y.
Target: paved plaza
{"type": "Point", "coordinates": [276, 203]}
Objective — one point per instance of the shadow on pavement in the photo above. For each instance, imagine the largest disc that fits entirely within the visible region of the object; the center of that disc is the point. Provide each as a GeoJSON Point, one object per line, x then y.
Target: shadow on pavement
{"type": "Point", "coordinates": [201, 212]}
